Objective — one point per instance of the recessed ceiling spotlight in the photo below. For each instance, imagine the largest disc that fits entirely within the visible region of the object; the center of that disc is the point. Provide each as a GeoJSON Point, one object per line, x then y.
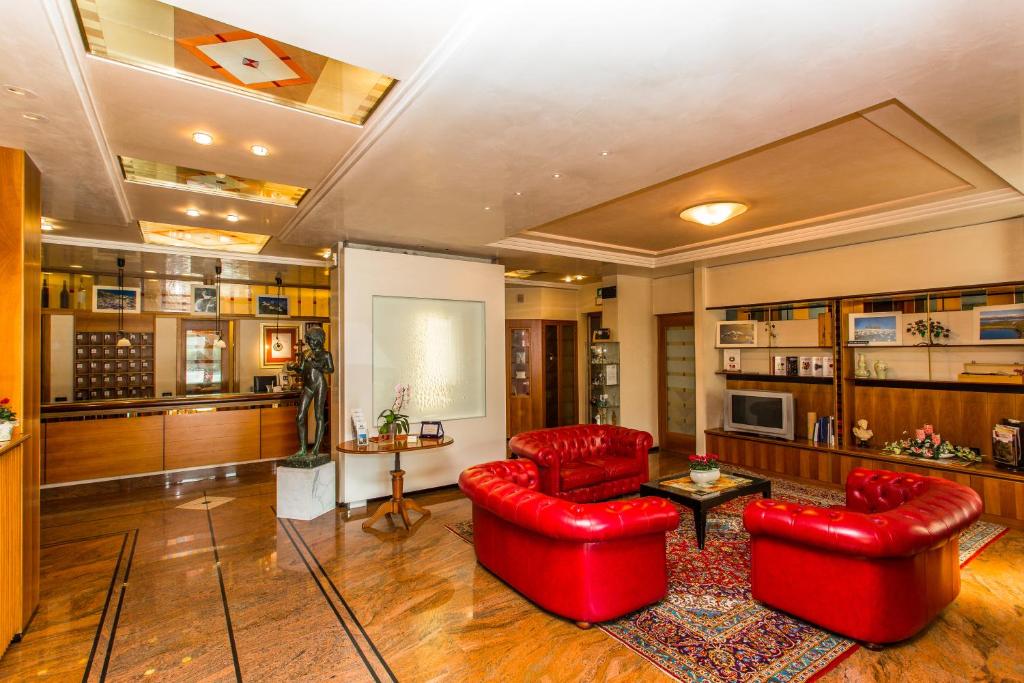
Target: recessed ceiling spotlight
{"type": "Point", "coordinates": [20, 92]}
{"type": "Point", "coordinates": [201, 138]}
{"type": "Point", "coordinates": [259, 150]}
{"type": "Point", "coordinates": [556, 176]}
{"type": "Point", "coordinates": [580, 277]}
{"type": "Point", "coordinates": [519, 194]}
{"type": "Point", "coordinates": [46, 227]}
{"type": "Point", "coordinates": [487, 208]}
{"type": "Point", "coordinates": [224, 239]}
{"type": "Point", "coordinates": [151, 272]}
{"type": "Point", "coordinates": [232, 218]}
{"type": "Point", "coordinates": [605, 152]}
{"type": "Point", "coordinates": [567, 278]}
{"type": "Point", "coordinates": [712, 213]}
{"type": "Point", "coordinates": [194, 213]}
{"type": "Point", "coordinates": [33, 117]}
{"type": "Point", "coordinates": [75, 266]}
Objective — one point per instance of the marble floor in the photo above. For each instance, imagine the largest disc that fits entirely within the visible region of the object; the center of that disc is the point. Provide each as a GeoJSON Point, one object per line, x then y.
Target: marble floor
{"type": "Point", "coordinates": [201, 582]}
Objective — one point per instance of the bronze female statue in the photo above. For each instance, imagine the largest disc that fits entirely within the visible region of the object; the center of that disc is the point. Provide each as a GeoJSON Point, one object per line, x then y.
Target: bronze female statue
{"type": "Point", "coordinates": [314, 366]}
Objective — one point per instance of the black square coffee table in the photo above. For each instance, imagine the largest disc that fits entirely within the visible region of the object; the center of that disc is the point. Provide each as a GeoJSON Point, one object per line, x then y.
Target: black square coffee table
{"type": "Point", "coordinates": [700, 502]}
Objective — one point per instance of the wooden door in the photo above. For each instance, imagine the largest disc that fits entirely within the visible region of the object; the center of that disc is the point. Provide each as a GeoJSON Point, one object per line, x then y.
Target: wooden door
{"type": "Point", "coordinates": [677, 419]}
{"type": "Point", "coordinates": [561, 404]}
{"type": "Point", "coordinates": [524, 404]}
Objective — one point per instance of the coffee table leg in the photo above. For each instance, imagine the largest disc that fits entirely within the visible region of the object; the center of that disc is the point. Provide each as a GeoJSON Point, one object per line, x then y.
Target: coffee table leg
{"type": "Point", "coordinates": [767, 492]}
{"type": "Point", "coordinates": [700, 519]}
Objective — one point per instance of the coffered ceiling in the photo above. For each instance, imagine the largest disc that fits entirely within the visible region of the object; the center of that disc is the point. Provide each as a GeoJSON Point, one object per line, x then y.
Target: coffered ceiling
{"type": "Point", "coordinates": [560, 131]}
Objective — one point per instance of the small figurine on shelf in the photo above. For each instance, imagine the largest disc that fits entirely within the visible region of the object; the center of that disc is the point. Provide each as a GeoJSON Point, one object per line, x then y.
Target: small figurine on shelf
{"type": "Point", "coordinates": [881, 369]}
{"type": "Point", "coordinates": [862, 367]}
{"type": "Point", "coordinates": [862, 433]}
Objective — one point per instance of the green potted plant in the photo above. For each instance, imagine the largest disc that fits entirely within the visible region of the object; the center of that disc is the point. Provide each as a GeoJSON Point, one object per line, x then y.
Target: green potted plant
{"type": "Point", "coordinates": [704, 469]}
{"type": "Point", "coordinates": [392, 423]}
{"type": "Point", "coordinates": [8, 419]}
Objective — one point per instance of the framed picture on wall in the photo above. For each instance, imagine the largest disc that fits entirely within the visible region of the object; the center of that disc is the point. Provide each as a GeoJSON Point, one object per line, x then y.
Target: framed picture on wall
{"type": "Point", "coordinates": [111, 299]}
{"type": "Point", "coordinates": [999, 324]}
{"type": "Point", "coordinates": [271, 306]}
{"type": "Point", "coordinates": [736, 334]}
{"type": "Point", "coordinates": [876, 329]}
{"type": "Point", "coordinates": [204, 300]}
{"type": "Point", "coordinates": [279, 345]}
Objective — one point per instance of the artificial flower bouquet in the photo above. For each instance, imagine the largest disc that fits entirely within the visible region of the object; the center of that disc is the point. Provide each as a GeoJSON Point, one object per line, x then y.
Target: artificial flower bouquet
{"type": "Point", "coordinates": [925, 443]}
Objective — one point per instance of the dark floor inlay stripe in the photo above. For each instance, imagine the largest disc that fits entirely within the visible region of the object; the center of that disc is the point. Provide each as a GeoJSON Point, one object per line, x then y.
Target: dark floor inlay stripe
{"type": "Point", "coordinates": [120, 603]}
{"type": "Point", "coordinates": [344, 602]}
{"type": "Point", "coordinates": [106, 603]}
{"type": "Point", "coordinates": [223, 596]}
{"type": "Point", "coordinates": [330, 603]}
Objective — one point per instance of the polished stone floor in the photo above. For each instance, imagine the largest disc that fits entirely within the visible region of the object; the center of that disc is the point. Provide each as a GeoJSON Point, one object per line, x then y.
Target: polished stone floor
{"type": "Point", "coordinates": [201, 582]}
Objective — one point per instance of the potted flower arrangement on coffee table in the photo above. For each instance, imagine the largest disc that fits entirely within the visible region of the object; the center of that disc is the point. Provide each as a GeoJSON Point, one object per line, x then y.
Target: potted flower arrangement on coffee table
{"type": "Point", "coordinates": [704, 468]}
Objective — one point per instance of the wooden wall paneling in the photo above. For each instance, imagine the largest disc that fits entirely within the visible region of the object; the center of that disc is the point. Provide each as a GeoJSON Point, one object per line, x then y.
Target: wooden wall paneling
{"type": "Point", "coordinates": [20, 373]}
{"type": "Point", "coordinates": [192, 439]}
{"type": "Point", "coordinates": [11, 541]}
{"type": "Point", "coordinates": [96, 449]}
{"type": "Point", "coordinates": [277, 432]}
{"type": "Point", "coordinates": [87, 321]}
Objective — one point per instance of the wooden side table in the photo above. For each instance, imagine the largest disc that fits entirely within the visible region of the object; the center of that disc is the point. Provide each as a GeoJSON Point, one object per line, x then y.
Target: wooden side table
{"type": "Point", "coordinates": [398, 504]}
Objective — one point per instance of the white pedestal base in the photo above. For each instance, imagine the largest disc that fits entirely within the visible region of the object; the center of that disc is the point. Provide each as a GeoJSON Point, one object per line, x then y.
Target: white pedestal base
{"type": "Point", "coordinates": [305, 493]}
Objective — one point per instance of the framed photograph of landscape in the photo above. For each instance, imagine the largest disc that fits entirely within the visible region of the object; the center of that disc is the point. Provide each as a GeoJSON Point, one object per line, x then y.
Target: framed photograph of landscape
{"type": "Point", "coordinates": [110, 299]}
{"type": "Point", "coordinates": [271, 306]}
{"type": "Point", "coordinates": [876, 329]}
{"type": "Point", "coordinates": [736, 334]}
{"type": "Point", "coordinates": [999, 324]}
{"type": "Point", "coordinates": [204, 300]}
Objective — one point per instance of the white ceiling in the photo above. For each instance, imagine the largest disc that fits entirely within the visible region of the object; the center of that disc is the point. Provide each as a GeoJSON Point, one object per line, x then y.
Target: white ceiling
{"type": "Point", "coordinates": [496, 97]}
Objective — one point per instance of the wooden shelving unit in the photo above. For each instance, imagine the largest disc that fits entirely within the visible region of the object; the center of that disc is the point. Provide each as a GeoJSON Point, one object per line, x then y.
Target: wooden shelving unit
{"type": "Point", "coordinates": [763, 377]}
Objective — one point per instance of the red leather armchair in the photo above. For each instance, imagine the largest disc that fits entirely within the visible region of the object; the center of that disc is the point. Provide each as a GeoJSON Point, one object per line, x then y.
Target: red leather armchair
{"type": "Point", "coordinates": [588, 562]}
{"type": "Point", "coordinates": [586, 463]}
{"type": "Point", "coordinates": [878, 569]}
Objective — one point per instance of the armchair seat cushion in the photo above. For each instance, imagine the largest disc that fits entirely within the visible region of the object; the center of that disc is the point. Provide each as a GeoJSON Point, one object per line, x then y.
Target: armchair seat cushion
{"type": "Point", "coordinates": [586, 463]}
{"type": "Point", "coordinates": [616, 468]}
{"type": "Point", "coordinates": [576, 475]}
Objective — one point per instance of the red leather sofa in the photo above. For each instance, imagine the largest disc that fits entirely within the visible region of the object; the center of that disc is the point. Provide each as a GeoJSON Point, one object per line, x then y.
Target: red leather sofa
{"type": "Point", "coordinates": [878, 569]}
{"type": "Point", "coordinates": [586, 463]}
{"type": "Point", "coordinates": [587, 562]}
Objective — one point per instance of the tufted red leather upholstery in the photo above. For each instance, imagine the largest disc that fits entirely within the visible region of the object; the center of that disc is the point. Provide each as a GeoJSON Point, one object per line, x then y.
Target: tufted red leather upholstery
{"type": "Point", "coordinates": [878, 569]}
{"type": "Point", "coordinates": [586, 463]}
{"type": "Point", "coordinates": [588, 562]}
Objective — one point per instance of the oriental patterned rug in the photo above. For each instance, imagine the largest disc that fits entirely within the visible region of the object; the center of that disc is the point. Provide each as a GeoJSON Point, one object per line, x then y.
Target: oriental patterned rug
{"type": "Point", "coordinates": [709, 628]}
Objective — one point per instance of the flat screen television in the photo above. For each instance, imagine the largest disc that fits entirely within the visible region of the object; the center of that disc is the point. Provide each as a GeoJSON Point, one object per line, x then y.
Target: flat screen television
{"type": "Point", "coordinates": [767, 413]}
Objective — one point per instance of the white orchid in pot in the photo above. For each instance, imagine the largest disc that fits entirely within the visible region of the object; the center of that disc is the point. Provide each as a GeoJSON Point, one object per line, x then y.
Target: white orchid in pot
{"type": "Point", "coordinates": [8, 419]}
{"type": "Point", "coordinates": [391, 422]}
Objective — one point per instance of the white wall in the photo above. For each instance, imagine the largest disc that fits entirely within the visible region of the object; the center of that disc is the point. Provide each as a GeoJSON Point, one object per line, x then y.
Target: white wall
{"type": "Point", "coordinates": [366, 273]}
{"type": "Point", "coordinates": [165, 355]}
{"type": "Point", "coordinates": [539, 303]}
{"type": "Point", "coordinates": [62, 356]}
{"type": "Point", "coordinates": [673, 294]}
{"type": "Point", "coordinates": [977, 254]}
{"type": "Point", "coordinates": [637, 333]}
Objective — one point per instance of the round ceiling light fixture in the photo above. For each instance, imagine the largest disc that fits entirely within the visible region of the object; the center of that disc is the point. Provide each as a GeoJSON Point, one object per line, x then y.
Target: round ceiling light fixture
{"type": "Point", "coordinates": [259, 150]}
{"type": "Point", "coordinates": [193, 213]}
{"type": "Point", "coordinates": [201, 138]}
{"type": "Point", "coordinates": [713, 213]}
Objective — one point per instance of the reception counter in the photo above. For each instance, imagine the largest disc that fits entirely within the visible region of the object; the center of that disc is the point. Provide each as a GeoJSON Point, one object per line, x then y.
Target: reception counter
{"type": "Point", "coordinates": [91, 440]}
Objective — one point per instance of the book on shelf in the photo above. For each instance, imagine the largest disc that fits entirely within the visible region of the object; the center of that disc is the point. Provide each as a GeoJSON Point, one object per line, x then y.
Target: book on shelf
{"type": "Point", "coordinates": [824, 432]}
{"type": "Point", "coordinates": [792, 365]}
{"type": "Point", "coordinates": [806, 366]}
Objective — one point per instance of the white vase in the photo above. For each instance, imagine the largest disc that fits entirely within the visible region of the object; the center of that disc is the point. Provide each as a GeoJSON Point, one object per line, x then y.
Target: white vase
{"type": "Point", "coordinates": [5, 430]}
{"type": "Point", "coordinates": [703, 477]}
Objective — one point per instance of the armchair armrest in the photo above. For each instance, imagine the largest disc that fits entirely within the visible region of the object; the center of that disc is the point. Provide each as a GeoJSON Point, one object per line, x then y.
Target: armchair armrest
{"type": "Point", "coordinates": [843, 531]}
{"type": "Point", "coordinates": [543, 455]}
{"type": "Point", "coordinates": [630, 443]}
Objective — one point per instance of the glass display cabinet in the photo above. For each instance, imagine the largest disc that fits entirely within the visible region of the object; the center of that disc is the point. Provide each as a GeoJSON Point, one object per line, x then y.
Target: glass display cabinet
{"type": "Point", "coordinates": [206, 368]}
{"type": "Point", "coordinates": [604, 383]}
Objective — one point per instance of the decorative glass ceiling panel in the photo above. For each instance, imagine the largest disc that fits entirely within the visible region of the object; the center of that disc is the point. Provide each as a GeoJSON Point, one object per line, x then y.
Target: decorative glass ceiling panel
{"type": "Point", "coordinates": [151, 34]}
{"type": "Point", "coordinates": [169, 235]}
{"type": "Point", "coordinates": [208, 182]}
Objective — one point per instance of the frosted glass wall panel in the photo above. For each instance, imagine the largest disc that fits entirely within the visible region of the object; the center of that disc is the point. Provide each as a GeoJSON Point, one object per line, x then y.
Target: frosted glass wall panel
{"type": "Point", "coordinates": [437, 347]}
